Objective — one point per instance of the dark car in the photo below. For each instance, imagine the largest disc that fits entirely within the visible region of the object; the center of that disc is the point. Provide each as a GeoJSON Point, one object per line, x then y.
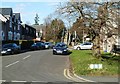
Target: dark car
{"type": "Point", "coordinates": [48, 45]}
{"type": "Point", "coordinates": [10, 48]}
{"type": "Point", "coordinates": [37, 46]}
{"type": "Point", "coordinates": [60, 48]}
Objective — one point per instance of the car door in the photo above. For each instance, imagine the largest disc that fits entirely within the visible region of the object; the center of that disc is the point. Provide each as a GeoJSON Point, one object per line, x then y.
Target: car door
{"type": "Point", "coordinates": [88, 45]}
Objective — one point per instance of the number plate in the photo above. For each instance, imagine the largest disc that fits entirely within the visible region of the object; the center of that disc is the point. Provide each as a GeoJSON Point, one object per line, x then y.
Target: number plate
{"type": "Point", "coordinates": [59, 51]}
{"type": "Point", "coordinates": [3, 52]}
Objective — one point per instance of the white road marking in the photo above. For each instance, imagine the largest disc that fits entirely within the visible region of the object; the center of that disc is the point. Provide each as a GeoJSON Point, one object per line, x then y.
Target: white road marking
{"type": "Point", "coordinates": [26, 57]}
{"type": "Point", "coordinates": [17, 81]}
{"type": "Point", "coordinates": [39, 81]}
{"type": "Point", "coordinates": [12, 64]}
{"type": "Point", "coordinates": [2, 81]}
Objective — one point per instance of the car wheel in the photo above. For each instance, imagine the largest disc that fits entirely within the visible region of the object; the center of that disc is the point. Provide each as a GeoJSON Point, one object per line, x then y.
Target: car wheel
{"type": "Point", "coordinates": [54, 53]}
{"type": "Point", "coordinates": [12, 52]}
{"type": "Point", "coordinates": [78, 48]}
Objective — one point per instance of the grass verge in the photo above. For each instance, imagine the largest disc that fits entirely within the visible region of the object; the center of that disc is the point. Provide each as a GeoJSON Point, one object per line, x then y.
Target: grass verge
{"type": "Point", "coordinates": [81, 59]}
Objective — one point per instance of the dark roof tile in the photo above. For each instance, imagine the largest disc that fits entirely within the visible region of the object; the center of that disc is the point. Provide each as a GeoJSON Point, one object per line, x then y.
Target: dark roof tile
{"type": "Point", "coordinates": [5, 11]}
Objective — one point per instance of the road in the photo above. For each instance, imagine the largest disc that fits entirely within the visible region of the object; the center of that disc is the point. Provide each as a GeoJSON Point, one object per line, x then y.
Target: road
{"type": "Point", "coordinates": [34, 66]}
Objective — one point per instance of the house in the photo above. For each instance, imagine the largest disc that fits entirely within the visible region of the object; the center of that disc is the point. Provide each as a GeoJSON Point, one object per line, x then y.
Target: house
{"type": "Point", "coordinates": [111, 34]}
{"type": "Point", "coordinates": [28, 32]}
{"type": "Point", "coordinates": [3, 21]}
{"type": "Point", "coordinates": [17, 26]}
{"type": "Point", "coordinates": [40, 32]}
{"type": "Point", "coordinates": [7, 29]}
{"type": "Point", "coordinates": [11, 24]}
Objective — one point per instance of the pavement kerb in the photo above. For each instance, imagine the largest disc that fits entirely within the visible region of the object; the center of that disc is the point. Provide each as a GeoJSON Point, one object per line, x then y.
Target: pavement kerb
{"type": "Point", "coordinates": [65, 74]}
{"type": "Point", "coordinates": [86, 80]}
{"type": "Point", "coordinates": [83, 78]}
{"type": "Point", "coordinates": [74, 77]}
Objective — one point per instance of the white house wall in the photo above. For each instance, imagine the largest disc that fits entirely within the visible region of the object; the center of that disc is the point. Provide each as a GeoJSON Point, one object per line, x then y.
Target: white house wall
{"type": "Point", "coordinates": [2, 18]}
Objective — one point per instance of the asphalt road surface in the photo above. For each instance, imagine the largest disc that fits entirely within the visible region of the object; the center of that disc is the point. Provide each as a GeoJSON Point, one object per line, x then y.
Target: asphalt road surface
{"type": "Point", "coordinates": [35, 66]}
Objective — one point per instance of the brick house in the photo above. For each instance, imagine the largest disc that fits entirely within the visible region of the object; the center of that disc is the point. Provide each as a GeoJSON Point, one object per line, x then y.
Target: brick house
{"type": "Point", "coordinates": [28, 32]}
{"type": "Point", "coordinates": [11, 28]}
{"type": "Point", "coordinates": [17, 26]}
{"type": "Point", "coordinates": [7, 31]}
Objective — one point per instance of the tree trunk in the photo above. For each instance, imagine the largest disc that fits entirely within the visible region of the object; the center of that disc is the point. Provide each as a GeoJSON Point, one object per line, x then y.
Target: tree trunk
{"type": "Point", "coordinates": [96, 47]}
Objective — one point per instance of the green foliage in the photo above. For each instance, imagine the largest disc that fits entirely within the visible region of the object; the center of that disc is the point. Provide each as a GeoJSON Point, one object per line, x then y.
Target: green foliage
{"type": "Point", "coordinates": [55, 30]}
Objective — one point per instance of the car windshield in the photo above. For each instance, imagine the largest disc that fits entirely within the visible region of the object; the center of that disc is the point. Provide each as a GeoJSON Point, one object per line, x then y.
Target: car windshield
{"type": "Point", "coordinates": [7, 45]}
{"type": "Point", "coordinates": [61, 45]}
{"type": "Point", "coordinates": [39, 43]}
{"type": "Point", "coordinates": [47, 43]}
{"type": "Point", "coordinates": [88, 43]}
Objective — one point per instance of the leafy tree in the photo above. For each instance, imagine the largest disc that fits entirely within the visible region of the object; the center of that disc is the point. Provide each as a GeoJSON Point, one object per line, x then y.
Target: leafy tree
{"type": "Point", "coordinates": [57, 27]}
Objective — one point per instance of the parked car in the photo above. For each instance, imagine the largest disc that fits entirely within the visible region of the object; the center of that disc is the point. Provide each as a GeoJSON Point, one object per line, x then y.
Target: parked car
{"type": "Point", "coordinates": [37, 46]}
{"type": "Point", "coordinates": [86, 45]}
{"type": "Point", "coordinates": [10, 48]}
{"type": "Point", "coordinates": [48, 45]}
{"type": "Point", "coordinates": [60, 48]}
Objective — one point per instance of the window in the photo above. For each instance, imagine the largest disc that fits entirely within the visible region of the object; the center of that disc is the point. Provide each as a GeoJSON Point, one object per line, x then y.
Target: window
{"type": "Point", "coordinates": [18, 25]}
{"type": "Point", "coordinates": [18, 36]}
{"type": "Point", "coordinates": [10, 22]}
{"type": "Point", "coordinates": [3, 36]}
{"type": "Point", "coordinates": [9, 35]}
{"type": "Point", "coordinates": [14, 28]}
{"type": "Point", "coordinates": [14, 35]}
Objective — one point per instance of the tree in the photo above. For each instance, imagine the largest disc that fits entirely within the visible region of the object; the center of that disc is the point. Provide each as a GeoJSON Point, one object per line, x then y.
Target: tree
{"type": "Point", "coordinates": [48, 30]}
{"type": "Point", "coordinates": [96, 14]}
{"type": "Point", "coordinates": [57, 26]}
{"type": "Point", "coordinates": [36, 19]}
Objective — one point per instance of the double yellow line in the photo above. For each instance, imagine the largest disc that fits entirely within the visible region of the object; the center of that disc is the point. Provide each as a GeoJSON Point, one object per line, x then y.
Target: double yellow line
{"type": "Point", "coordinates": [74, 77]}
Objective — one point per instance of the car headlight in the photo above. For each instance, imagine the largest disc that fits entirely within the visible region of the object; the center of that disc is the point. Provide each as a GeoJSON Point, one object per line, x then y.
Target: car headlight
{"type": "Point", "coordinates": [8, 49]}
{"type": "Point", "coordinates": [65, 50]}
{"type": "Point", "coordinates": [54, 49]}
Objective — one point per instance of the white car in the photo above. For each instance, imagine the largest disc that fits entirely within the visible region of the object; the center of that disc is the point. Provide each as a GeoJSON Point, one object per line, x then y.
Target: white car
{"type": "Point", "coordinates": [86, 45]}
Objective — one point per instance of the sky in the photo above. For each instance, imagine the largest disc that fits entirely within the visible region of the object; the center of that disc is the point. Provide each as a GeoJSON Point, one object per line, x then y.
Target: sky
{"type": "Point", "coordinates": [29, 9]}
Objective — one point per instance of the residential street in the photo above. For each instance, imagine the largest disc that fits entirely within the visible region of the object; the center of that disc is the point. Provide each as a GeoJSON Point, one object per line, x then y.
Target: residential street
{"type": "Point", "coordinates": [41, 66]}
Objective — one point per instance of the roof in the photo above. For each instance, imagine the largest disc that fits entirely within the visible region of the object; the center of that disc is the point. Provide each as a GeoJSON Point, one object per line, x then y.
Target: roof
{"type": "Point", "coordinates": [5, 11]}
{"type": "Point", "coordinates": [38, 27]}
{"type": "Point", "coordinates": [17, 15]}
{"type": "Point", "coordinates": [24, 25]}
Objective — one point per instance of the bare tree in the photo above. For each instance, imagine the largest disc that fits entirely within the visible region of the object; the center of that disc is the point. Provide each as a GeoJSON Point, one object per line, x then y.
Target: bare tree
{"type": "Point", "coordinates": [96, 14]}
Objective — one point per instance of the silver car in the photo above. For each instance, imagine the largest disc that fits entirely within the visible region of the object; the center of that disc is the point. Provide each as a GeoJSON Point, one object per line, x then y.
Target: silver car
{"type": "Point", "coordinates": [86, 45]}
